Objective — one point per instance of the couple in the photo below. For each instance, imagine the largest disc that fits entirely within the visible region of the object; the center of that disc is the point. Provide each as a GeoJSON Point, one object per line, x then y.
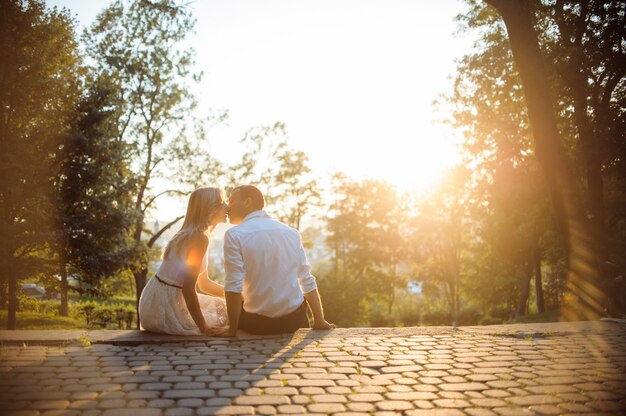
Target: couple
{"type": "Point", "coordinates": [268, 281]}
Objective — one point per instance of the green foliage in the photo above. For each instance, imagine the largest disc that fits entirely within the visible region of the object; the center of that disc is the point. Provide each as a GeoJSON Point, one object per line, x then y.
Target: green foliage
{"type": "Point", "coordinates": [84, 146]}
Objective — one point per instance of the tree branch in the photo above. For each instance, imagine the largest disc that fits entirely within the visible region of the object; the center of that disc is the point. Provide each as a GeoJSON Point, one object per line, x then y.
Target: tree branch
{"type": "Point", "coordinates": [169, 191]}
{"type": "Point", "coordinates": [169, 225]}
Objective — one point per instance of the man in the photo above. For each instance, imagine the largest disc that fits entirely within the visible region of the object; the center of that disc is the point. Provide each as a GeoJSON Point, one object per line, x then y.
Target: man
{"type": "Point", "coordinates": [268, 278]}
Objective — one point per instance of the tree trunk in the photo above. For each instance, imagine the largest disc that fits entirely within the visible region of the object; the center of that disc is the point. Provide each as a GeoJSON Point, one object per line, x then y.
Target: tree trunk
{"type": "Point", "coordinates": [576, 77]}
{"type": "Point", "coordinates": [523, 299]}
{"type": "Point", "coordinates": [595, 185]}
{"type": "Point", "coordinates": [12, 301]}
{"type": "Point", "coordinates": [64, 310]}
{"type": "Point", "coordinates": [539, 284]}
{"type": "Point", "coordinates": [3, 291]}
{"type": "Point", "coordinates": [5, 262]}
{"type": "Point", "coordinates": [138, 269]}
{"type": "Point", "coordinates": [392, 298]}
{"type": "Point", "coordinates": [583, 265]}
{"type": "Point", "coordinates": [454, 302]}
{"type": "Point", "coordinates": [593, 167]}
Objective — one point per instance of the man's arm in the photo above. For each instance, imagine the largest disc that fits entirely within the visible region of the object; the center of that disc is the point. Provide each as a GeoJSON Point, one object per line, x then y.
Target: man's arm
{"type": "Point", "coordinates": [315, 303]}
{"type": "Point", "coordinates": [309, 288]}
{"type": "Point", "coordinates": [233, 281]}
{"type": "Point", "coordinates": [233, 306]}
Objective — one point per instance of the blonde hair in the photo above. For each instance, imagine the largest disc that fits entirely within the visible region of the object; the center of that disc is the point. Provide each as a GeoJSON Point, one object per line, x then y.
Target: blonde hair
{"type": "Point", "coordinates": [200, 208]}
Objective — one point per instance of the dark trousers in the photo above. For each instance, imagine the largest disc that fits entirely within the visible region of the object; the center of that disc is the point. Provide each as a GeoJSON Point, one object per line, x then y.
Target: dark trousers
{"type": "Point", "coordinates": [262, 325]}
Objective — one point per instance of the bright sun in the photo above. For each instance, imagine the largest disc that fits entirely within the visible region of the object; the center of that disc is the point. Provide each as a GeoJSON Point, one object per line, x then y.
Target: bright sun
{"type": "Point", "coordinates": [410, 163]}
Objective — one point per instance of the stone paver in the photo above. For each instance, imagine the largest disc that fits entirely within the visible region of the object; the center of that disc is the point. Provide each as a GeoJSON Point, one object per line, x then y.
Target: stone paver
{"type": "Point", "coordinates": [566, 368]}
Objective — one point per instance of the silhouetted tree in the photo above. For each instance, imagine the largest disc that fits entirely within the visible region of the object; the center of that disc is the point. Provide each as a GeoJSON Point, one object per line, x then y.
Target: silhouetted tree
{"type": "Point", "coordinates": [93, 190]}
{"type": "Point", "coordinates": [38, 91]}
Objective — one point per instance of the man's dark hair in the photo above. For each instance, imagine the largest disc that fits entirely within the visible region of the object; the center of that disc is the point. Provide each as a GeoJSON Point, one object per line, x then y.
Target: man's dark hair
{"type": "Point", "coordinates": [252, 192]}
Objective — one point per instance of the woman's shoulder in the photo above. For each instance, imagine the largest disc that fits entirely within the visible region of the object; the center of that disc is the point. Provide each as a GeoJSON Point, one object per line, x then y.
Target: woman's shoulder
{"type": "Point", "coordinates": [198, 241]}
{"type": "Point", "coordinates": [196, 249]}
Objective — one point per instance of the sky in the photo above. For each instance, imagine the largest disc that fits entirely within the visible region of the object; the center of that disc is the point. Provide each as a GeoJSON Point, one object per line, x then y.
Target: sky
{"type": "Point", "coordinates": [353, 80]}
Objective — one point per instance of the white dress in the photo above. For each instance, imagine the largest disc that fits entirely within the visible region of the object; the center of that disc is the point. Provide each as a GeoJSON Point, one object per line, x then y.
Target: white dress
{"type": "Point", "coordinates": [162, 307]}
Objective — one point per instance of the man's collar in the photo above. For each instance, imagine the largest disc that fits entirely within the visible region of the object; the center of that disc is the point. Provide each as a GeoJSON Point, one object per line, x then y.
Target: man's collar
{"type": "Point", "coordinates": [255, 214]}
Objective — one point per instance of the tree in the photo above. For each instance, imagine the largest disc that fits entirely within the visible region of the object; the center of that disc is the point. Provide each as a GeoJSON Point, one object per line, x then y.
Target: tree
{"type": "Point", "coordinates": [366, 235]}
{"type": "Point", "coordinates": [584, 276]}
{"type": "Point", "coordinates": [138, 45]}
{"type": "Point", "coordinates": [93, 191]}
{"type": "Point", "coordinates": [440, 236]}
{"type": "Point", "coordinates": [38, 90]}
{"type": "Point", "coordinates": [293, 189]}
{"type": "Point", "coordinates": [256, 166]}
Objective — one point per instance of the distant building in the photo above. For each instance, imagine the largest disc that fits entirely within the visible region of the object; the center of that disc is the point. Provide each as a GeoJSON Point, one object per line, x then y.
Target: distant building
{"type": "Point", "coordinates": [32, 290]}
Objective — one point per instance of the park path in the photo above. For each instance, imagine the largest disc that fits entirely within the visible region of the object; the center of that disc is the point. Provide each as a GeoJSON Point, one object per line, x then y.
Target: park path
{"type": "Point", "coordinates": [564, 368]}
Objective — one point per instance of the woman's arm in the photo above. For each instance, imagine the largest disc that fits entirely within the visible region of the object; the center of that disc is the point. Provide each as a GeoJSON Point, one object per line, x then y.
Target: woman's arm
{"type": "Point", "coordinates": [197, 248]}
{"type": "Point", "coordinates": [208, 286]}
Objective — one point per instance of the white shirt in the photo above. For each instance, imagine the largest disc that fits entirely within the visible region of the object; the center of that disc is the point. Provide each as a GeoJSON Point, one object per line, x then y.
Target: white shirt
{"type": "Point", "coordinates": [265, 261]}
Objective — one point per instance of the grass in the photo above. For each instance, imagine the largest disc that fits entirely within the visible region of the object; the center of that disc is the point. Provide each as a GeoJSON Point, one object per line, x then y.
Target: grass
{"type": "Point", "coordinates": [34, 320]}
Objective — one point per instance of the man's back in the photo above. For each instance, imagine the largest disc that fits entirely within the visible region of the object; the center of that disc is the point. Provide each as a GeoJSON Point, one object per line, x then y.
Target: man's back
{"type": "Point", "coordinates": [265, 261]}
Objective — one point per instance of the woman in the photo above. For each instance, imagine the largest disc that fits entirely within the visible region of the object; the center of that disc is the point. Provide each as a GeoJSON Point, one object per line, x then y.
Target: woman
{"type": "Point", "coordinates": [169, 302]}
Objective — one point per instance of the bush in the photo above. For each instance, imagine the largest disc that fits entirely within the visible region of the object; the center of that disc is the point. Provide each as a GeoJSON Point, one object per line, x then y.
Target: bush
{"type": "Point", "coordinates": [93, 313]}
{"type": "Point", "coordinates": [104, 315]}
{"type": "Point", "coordinates": [378, 319]}
{"type": "Point", "coordinates": [27, 304]}
{"type": "Point", "coordinates": [124, 314]}
{"type": "Point", "coordinates": [490, 320]}
{"type": "Point", "coordinates": [50, 307]}
{"type": "Point", "coordinates": [501, 312]}
{"type": "Point", "coordinates": [469, 316]}
{"type": "Point", "coordinates": [85, 310]}
{"type": "Point", "coordinates": [409, 318]}
{"type": "Point", "coordinates": [436, 318]}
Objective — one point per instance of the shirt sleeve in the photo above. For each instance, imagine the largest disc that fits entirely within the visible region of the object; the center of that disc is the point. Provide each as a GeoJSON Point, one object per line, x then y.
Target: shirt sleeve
{"type": "Point", "coordinates": [305, 278]}
{"type": "Point", "coordinates": [233, 264]}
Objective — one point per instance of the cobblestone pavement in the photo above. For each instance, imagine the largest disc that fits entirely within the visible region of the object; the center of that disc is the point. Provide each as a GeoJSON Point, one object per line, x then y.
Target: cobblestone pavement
{"type": "Point", "coordinates": [339, 372]}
